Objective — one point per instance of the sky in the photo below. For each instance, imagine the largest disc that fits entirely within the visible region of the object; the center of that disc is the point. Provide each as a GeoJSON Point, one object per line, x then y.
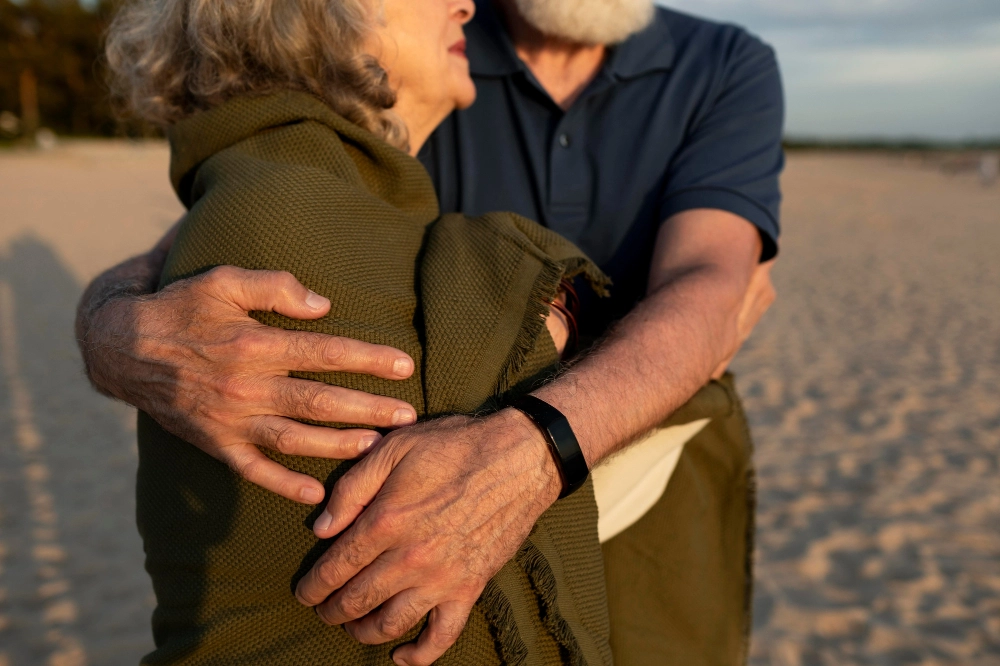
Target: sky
{"type": "Point", "coordinates": [882, 69]}
{"type": "Point", "coordinates": [885, 69]}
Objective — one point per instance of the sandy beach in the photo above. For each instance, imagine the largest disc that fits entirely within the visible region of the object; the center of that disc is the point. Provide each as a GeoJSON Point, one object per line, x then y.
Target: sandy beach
{"type": "Point", "coordinates": [873, 387]}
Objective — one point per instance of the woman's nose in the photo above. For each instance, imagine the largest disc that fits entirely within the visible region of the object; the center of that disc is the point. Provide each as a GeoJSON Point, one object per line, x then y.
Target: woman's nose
{"type": "Point", "coordinates": [462, 10]}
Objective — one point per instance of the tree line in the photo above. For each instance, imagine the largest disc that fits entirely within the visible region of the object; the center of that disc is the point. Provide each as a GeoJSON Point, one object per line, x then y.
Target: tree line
{"type": "Point", "coordinates": [51, 70]}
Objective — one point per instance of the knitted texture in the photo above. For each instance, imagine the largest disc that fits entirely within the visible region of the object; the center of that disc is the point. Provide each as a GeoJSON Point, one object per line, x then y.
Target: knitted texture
{"type": "Point", "coordinates": [283, 183]}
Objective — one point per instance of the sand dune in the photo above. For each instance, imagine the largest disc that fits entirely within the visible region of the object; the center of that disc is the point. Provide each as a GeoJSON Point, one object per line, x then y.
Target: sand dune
{"type": "Point", "coordinates": [873, 386]}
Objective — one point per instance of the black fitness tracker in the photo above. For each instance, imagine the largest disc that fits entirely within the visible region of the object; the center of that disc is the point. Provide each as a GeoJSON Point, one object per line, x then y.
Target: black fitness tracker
{"type": "Point", "coordinates": [565, 447]}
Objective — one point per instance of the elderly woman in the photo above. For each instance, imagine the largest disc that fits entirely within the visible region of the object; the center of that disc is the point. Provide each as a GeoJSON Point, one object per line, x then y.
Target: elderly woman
{"type": "Point", "coordinates": [293, 125]}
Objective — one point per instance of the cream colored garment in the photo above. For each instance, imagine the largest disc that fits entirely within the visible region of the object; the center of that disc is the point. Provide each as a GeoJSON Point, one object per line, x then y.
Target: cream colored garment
{"type": "Point", "coordinates": [628, 485]}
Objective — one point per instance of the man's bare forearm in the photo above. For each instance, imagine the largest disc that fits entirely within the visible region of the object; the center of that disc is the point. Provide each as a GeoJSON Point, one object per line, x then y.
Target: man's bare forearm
{"type": "Point", "coordinates": [130, 279]}
{"type": "Point", "coordinates": [134, 277]}
{"type": "Point", "coordinates": [658, 356]}
{"type": "Point", "coordinates": [98, 323]}
{"type": "Point", "coordinates": [650, 365]}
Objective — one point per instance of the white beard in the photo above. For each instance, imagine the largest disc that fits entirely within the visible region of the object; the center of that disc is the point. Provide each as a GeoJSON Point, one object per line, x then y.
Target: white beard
{"type": "Point", "coordinates": [587, 21]}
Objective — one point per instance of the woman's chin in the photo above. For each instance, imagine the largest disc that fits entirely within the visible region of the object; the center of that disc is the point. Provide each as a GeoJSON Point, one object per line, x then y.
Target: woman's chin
{"type": "Point", "coordinates": [465, 95]}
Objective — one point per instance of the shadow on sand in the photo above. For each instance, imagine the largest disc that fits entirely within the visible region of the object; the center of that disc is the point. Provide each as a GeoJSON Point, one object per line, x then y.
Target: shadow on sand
{"type": "Point", "coordinates": [88, 447]}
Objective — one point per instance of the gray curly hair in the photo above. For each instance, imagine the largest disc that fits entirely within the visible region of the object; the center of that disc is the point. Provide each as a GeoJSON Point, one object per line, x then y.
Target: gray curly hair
{"type": "Point", "coordinates": [171, 58]}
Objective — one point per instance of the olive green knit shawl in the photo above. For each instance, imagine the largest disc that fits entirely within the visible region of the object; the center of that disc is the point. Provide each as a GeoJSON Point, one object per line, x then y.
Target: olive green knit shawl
{"type": "Point", "coordinates": [284, 183]}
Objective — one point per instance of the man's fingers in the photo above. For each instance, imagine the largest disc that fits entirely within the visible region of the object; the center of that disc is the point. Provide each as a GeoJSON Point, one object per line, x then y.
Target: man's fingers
{"type": "Point", "coordinates": [443, 628]}
{"type": "Point", "coordinates": [363, 594]}
{"type": "Point", "coordinates": [298, 439]}
{"type": "Point", "coordinates": [356, 490]}
{"type": "Point", "coordinates": [268, 291]}
{"type": "Point", "coordinates": [759, 298]}
{"type": "Point", "coordinates": [756, 302]}
{"type": "Point", "coordinates": [258, 469]}
{"type": "Point", "coordinates": [281, 292]}
{"type": "Point", "coordinates": [344, 559]}
{"type": "Point", "coordinates": [390, 622]}
{"type": "Point", "coordinates": [315, 401]}
{"type": "Point", "coordinates": [315, 352]}
{"type": "Point", "coordinates": [721, 369]}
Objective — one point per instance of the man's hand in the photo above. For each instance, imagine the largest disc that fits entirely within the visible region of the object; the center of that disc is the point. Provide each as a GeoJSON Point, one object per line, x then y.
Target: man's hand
{"type": "Point", "coordinates": [460, 495]}
{"type": "Point", "coordinates": [557, 325]}
{"type": "Point", "coordinates": [758, 299]}
{"type": "Point", "coordinates": [439, 508]}
{"type": "Point", "coordinates": [192, 358]}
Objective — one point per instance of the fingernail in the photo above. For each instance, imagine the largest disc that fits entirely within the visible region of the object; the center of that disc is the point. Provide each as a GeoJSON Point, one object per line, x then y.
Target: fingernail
{"type": "Point", "coordinates": [323, 522]}
{"type": "Point", "coordinates": [311, 495]}
{"type": "Point", "coordinates": [315, 301]}
{"type": "Point", "coordinates": [403, 417]}
{"type": "Point", "coordinates": [403, 367]}
{"type": "Point", "coordinates": [367, 442]}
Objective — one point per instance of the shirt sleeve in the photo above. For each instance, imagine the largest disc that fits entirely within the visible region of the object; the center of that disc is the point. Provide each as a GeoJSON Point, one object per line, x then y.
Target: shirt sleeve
{"type": "Point", "coordinates": [732, 156]}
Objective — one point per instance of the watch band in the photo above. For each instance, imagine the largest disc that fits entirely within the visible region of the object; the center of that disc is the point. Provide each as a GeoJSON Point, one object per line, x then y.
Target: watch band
{"type": "Point", "coordinates": [565, 447]}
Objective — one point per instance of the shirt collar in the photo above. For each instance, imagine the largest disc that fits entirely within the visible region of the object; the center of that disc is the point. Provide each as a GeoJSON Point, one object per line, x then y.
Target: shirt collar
{"type": "Point", "coordinates": [651, 50]}
{"type": "Point", "coordinates": [491, 52]}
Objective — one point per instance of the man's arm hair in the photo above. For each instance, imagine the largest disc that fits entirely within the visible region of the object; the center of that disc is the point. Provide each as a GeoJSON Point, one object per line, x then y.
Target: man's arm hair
{"type": "Point", "coordinates": [500, 473]}
{"type": "Point", "coordinates": [192, 358]}
{"type": "Point", "coordinates": [670, 345]}
{"type": "Point", "coordinates": [129, 280]}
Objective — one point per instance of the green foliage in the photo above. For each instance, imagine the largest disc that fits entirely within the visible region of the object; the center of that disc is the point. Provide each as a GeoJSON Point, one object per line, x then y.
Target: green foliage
{"type": "Point", "coordinates": [62, 44]}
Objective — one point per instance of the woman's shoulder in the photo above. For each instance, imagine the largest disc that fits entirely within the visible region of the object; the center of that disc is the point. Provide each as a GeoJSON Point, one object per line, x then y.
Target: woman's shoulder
{"type": "Point", "coordinates": [263, 141]}
{"type": "Point", "coordinates": [259, 135]}
{"type": "Point", "coordinates": [281, 166]}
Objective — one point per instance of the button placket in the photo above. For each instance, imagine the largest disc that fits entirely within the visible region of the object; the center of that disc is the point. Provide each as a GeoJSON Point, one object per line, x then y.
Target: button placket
{"type": "Point", "coordinates": [569, 178]}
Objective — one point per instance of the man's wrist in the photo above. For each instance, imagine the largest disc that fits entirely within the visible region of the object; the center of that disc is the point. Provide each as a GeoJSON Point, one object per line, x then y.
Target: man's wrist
{"type": "Point", "coordinates": [106, 308]}
{"type": "Point", "coordinates": [559, 435]}
{"type": "Point", "coordinates": [137, 278]}
{"type": "Point", "coordinates": [539, 459]}
{"type": "Point", "coordinates": [129, 280]}
{"type": "Point", "coordinates": [98, 335]}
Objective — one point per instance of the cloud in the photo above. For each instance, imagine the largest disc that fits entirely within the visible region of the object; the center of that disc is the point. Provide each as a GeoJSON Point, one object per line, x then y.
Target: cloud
{"type": "Point", "coordinates": [879, 67]}
{"type": "Point", "coordinates": [903, 15]}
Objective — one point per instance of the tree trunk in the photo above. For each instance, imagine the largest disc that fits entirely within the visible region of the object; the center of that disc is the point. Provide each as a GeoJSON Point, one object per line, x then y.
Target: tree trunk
{"type": "Point", "coordinates": [29, 102]}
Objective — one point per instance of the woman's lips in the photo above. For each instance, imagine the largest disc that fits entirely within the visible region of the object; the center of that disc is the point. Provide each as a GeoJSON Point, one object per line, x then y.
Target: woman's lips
{"type": "Point", "coordinates": [458, 48]}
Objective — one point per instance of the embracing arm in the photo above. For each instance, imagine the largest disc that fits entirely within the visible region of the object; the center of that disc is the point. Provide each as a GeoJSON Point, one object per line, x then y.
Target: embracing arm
{"type": "Point", "coordinates": [420, 544]}
{"type": "Point", "coordinates": [95, 323]}
{"type": "Point", "coordinates": [192, 358]}
{"type": "Point", "coordinates": [706, 293]}
{"type": "Point", "coordinates": [424, 531]}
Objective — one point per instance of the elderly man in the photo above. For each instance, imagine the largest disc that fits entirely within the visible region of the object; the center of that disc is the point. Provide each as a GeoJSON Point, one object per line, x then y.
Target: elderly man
{"type": "Point", "coordinates": [652, 140]}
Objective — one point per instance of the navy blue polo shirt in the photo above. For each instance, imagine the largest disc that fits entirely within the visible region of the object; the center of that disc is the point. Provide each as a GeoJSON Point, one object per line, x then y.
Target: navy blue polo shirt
{"type": "Point", "coordinates": [686, 114]}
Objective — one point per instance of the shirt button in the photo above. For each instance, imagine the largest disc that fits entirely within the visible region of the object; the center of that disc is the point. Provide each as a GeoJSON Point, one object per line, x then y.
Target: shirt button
{"type": "Point", "coordinates": [564, 140]}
